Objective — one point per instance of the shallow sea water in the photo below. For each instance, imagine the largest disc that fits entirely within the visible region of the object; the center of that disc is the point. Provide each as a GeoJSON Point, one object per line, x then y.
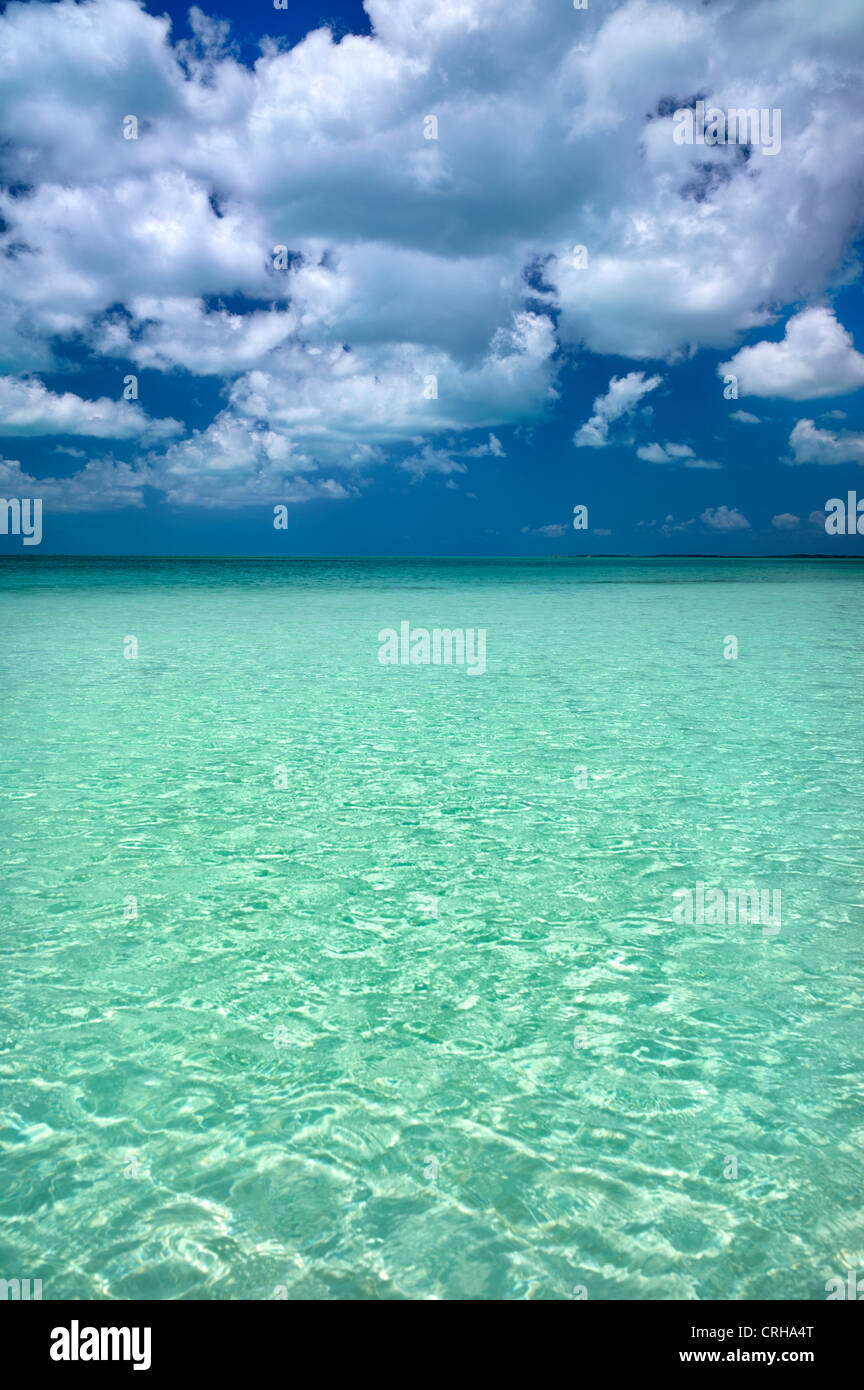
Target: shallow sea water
{"type": "Point", "coordinates": [411, 1018]}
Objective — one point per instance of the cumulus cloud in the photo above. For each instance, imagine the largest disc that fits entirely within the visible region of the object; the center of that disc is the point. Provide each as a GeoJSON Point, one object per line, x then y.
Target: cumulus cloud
{"type": "Point", "coordinates": [786, 521]}
{"type": "Point", "coordinates": [103, 485]}
{"type": "Point", "coordinates": [28, 407]}
{"type": "Point", "coordinates": [431, 460]}
{"type": "Point", "coordinates": [235, 463]}
{"type": "Point", "coordinates": [674, 453]}
{"type": "Point", "coordinates": [180, 332]}
{"type": "Point", "coordinates": [664, 453]}
{"type": "Point", "coordinates": [623, 396]}
{"type": "Point", "coordinates": [815, 358]}
{"type": "Point", "coordinates": [390, 394]}
{"type": "Point", "coordinates": [813, 445]}
{"type": "Point", "coordinates": [744, 417]}
{"type": "Point", "coordinates": [410, 258]}
{"type": "Point", "coordinates": [725, 519]}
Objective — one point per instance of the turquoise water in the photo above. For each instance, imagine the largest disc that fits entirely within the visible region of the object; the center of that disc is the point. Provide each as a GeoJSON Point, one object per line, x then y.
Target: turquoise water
{"type": "Point", "coordinates": [339, 980]}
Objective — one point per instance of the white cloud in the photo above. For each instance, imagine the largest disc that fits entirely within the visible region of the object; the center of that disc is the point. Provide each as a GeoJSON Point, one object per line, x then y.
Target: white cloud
{"type": "Point", "coordinates": [812, 445]}
{"type": "Point", "coordinates": [104, 485]}
{"type": "Point", "coordinates": [786, 521]}
{"type": "Point", "coordinates": [815, 358]}
{"type": "Point", "coordinates": [663, 453]}
{"type": "Point", "coordinates": [674, 453]}
{"type": "Point", "coordinates": [168, 333]}
{"type": "Point", "coordinates": [745, 418]}
{"type": "Point", "coordinates": [444, 461]}
{"type": "Point", "coordinates": [725, 519]}
{"type": "Point", "coordinates": [93, 245]}
{"type": "Point", "coordinates": [234, 463]}
{"type": "Point", "coordinates": [431, 460]}
{"type": "Point", "coordinates": [325, 400]}
{"type": "Point", "coordinates": [494, 448]}
{"type": "Point", "coordinates": [412, 253]}
{"type": "Point", "coordinates": [652, 453]}
{"type": "Point", "coordinates": [622, 397]}
{"type": "Point", "coordinates": [27, 407]}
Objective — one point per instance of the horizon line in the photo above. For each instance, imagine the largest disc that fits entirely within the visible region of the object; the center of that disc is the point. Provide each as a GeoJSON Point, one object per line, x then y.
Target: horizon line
{"type": "Point", "coordinates": [612, 555]}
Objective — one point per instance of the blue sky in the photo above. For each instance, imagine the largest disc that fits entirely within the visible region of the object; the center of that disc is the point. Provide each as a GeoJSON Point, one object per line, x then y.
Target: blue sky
{"type": "Point", "coordinates": [433, 369]}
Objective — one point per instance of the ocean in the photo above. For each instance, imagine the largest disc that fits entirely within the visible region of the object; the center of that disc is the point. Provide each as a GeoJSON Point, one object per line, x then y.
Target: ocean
{"type": "Point", "coordinates": [329, 978]}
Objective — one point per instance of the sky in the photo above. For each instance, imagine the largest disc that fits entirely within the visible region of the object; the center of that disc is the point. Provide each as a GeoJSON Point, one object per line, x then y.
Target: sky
{"type": "Point", "coordinates": [426, 276]}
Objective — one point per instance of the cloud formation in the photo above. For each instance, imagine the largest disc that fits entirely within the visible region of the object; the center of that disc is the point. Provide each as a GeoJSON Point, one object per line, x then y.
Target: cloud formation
{"type": "Point", "coordinates": [622, 397]}
{"type": "Point", "coordinates": [815, 358]}
{"type": "Point", "coordinates": [680, 454]}
{"type": "Point", "coordinates": [812, 445]}
{"type": "Point", "coordinates": [28, 407]}
{"type": "Point", "coordinates": [725, 519]}
{"type": "Point", "coordinates": [409, 258]}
